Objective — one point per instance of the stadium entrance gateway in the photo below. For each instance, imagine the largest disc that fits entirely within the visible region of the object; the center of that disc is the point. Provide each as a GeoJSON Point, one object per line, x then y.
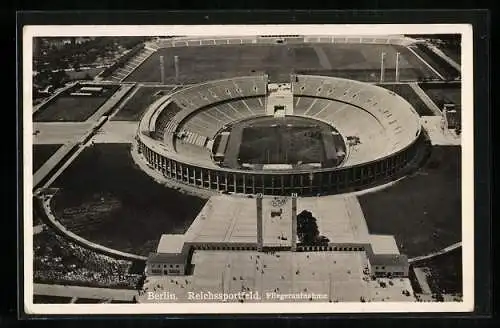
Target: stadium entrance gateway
{"type": "Point", "coordinates": [271, 224]}
{"type": "Point", "coordinates": [279, 100]}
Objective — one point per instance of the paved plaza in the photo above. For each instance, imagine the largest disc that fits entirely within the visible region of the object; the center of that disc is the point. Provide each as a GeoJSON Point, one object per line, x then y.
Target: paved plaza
{"type": "Point", "coordinates": [275, 277]}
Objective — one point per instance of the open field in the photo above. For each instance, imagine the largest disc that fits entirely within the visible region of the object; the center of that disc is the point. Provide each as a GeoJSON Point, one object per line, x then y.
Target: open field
{"type": "Point", "coordinates": [405, 91]}
{"type": "Point", "coordinates": [107, 199]}
{"type": "Point", "coordinates": [423, 211]}
{"type": "Point", "coordinates": [41, 153]}
{"type": "Point", "coordinates": [137, 105]}
{"type": "Point", "coordinates": [67, 108]}
{"type": "Point", "coordinates": [357, 61]}
{"type": "Point", "coordinates": [443, 93]}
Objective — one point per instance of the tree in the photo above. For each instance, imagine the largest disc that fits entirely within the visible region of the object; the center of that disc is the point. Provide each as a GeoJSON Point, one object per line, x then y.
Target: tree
{"type": "Point", "coordinates": [307, 230]}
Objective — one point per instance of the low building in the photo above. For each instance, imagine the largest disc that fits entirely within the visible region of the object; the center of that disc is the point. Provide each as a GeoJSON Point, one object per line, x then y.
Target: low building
{"type": "Point", "coordinates": [389, 265]}
{"type": "Point", "coordinates": [452, 116]}
{"type": "Point", "coordinates": [170, 258]}
{"type": "Point", "coordinates": [385, 259]}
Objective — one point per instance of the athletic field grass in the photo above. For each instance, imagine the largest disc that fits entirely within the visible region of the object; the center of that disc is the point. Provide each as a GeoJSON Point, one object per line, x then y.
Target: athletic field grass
{"type": "Point", "coordinates": [281, 144]}
{"type": "Point", "coordinates": [289, 140]}
{"type": "Point", "coordinates": [67, 108]}
{"type": "Point", "coordinates": [357, 61]}
{"type": "Point", "coordinates": [405, 91]}
{"type": "Point", "coordinates": [41, 153]}
{"type": "Point", "coordinates": [137, 105]}
{"type": "Point", "coordinates": [443, 93]}
{"type": "Point", "coordinates": [423, 211]}
{"type": "Point", "coordinates": [107, 199]}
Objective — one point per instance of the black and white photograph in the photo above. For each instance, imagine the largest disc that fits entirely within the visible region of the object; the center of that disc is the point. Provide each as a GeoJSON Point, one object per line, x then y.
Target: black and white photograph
{"type": "Point", "coordinates": [248, 169]}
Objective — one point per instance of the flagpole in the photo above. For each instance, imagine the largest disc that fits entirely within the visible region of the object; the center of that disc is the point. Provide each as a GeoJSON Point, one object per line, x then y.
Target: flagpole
{"type": "Point", "coordinates": [382, 66]}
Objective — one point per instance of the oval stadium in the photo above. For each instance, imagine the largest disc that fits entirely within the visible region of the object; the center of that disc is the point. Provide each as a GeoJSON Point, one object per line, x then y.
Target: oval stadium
{"type": "Point", "coordinates": [312, 135]}
{"type": "Point", "coordinates": [267, 165]}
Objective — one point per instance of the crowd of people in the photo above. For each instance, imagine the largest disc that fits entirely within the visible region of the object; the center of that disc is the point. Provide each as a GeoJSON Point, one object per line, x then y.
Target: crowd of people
{"type": "Point", "coordinates": [58, 261]}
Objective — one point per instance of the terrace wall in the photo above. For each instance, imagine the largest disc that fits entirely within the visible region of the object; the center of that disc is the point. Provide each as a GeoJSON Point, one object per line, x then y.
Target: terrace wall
{"type": "Point", "coordinates": [324, 181]}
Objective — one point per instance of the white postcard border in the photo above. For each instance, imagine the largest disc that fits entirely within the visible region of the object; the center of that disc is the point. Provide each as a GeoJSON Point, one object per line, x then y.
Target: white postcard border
{"type": "Point", "coordinates": [245, 30]}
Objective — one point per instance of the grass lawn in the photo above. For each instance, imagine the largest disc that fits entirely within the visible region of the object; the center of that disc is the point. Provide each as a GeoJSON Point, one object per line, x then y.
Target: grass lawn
{"type": "Point", "coordinates": [445, 272]}
{"type": "Point", "coordinates": [41, 153]}
{"type": "Point", "coordinates": [405, 91]}
{"type": "Point", "coordinates": [107, 199]}
{"type": "Point", "coordinates": [423, 211]}
{"type": "Point", "coordinates": [67, 108]}
{"type": "Point", "coordinates": [443, 93]}
{"type": "Point", "coordinates": [137, 105]}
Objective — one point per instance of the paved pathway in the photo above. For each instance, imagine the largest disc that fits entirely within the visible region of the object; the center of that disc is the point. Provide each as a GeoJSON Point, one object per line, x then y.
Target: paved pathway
{"type": "Point", "coordinates": [52, 162]}
{"type": "Point", "coordinates": [323, 58]}
{"type": "Point", "coordinates": [37, 229]}
{"type": "Point", "coordinates": [111, 102]}
{"type": "Point", "coordinates": [426, 63]}
{"type": "Point", "coordinates": [59, 132]}
{"type": "Point", "coordinates": [425, 98]}
{"type": "Point", "coordinates": [84, 292]}
{"type": "Point", "coordinates": [116, 132]}
{"type": "Point", "coordinates": [432, 124]}
{"type": "Point", "coordinates": [70, 134]}
{"type": "Point", "coordinates": [434, 254]}
{"type": "Point", "coordinates": [441, 54]}
{"type": "Point", "coordinates": [422, 280]}
{"type": "Point", "coordinates": [82, 241]}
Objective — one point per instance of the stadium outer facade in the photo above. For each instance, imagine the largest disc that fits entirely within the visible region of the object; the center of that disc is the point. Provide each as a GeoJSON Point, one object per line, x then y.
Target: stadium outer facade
{"type": "Point", "coordinates": [160, 127]}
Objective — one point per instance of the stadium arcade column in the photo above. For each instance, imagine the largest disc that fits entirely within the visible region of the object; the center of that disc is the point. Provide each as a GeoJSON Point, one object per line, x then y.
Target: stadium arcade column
{"type": "Point", "coordinates": [294, 222]}
{"type": "Point", "coordinates": [259, 223]}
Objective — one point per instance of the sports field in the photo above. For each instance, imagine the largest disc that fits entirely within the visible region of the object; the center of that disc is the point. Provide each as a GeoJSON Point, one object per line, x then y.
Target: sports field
{"type": "Point", "coordinates": [67, 108]}
{"type": "Point", "coordinates": [423, 211]}
{"type": "Point", "coordinates": [290, 140]}
{"type": "Point", "coordinates": [405, 91]}
{"type": "Point", "coordinates": [357, 61]}
{"type": "Point", "coordinates": [281, 144]}
{"type": "Point", "coordinates": [443, 93]}
{"type": "Point", "coordinates": [41, 153]}
{"type": "Point", "coordinates": [137, 105]}
{"type": "Point", "coordinates": [107, 199]}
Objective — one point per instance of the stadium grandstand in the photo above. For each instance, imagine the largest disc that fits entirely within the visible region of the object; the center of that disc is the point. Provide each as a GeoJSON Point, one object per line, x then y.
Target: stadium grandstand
{"type": "Point", "coordinates": [377, 134]}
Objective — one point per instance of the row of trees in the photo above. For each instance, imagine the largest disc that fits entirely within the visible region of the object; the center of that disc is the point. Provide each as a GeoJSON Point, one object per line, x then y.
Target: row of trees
{"type": "Point", "coordinates": [50, 58]}
{"type": "Point", "coordinates": [73, 55]}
